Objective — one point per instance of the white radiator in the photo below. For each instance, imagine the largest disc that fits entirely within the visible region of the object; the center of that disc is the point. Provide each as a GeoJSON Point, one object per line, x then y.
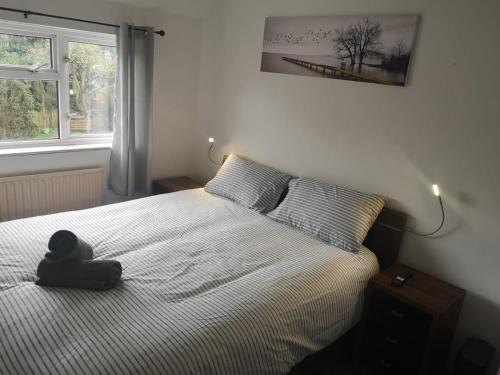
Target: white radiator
{"type": "Point", "coordinates": [40, 194]}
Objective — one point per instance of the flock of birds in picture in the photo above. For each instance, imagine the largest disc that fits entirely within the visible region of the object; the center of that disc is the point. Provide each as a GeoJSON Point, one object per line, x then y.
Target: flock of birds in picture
{"type": "Point", "coordinates": [310, 36]}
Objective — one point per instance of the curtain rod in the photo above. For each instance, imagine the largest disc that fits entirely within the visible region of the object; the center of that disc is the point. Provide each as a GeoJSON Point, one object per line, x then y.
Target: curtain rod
{"type": "Point", "coordinates": [28, 13]}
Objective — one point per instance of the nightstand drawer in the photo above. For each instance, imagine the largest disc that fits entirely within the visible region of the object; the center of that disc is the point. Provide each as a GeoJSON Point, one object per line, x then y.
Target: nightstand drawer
{"type": "Point", "coordinates": [391, 356]}
{"type": "Point", "coordinates": [390, 352]}
{"type": "Point", "coordinates": [390, 313]}
{"type": "Point", "coordinates": [396, 335]}
{"type": "Point", "coordinates": [407, 331]}
{"type": "Point", "coordinates": [384, 364]}
{"type": "Point", "coordinates": [392, 340]}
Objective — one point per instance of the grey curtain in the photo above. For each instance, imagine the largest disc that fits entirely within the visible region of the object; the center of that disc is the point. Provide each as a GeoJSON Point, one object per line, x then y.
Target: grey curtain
{"type": "Point", "coordinates": [130, 164]}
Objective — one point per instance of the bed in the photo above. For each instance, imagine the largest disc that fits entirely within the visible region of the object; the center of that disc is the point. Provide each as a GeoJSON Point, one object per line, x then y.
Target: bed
{"type": "Point", "coordinates": [209, 287]}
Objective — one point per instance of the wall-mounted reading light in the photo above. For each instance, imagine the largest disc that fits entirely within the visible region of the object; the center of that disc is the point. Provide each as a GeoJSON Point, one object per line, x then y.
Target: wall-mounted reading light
{"type": "Point", "coordinates": [437, 193]}
{"type": "Point", "coordinates": [435, 189]}
{"type": "Point", "coordinates": [212, 142]}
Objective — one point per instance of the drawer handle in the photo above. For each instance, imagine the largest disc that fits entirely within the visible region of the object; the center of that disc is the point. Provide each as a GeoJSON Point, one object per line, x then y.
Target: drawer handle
{"type": "Point", "coordinates": [397, 314]}
{"type": "Point", "coordinates": [385, 364]}
{"type": "Point", "coordinates": [390, 339]}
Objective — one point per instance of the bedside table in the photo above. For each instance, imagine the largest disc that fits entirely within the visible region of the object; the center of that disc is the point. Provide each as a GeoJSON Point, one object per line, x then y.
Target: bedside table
{"type": "Point", "coordinates": [173, 184]}
{"type": "Point", "coordinates": [408, 330]}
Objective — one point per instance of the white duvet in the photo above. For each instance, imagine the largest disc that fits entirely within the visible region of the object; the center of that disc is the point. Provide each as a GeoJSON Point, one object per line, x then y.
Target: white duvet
{"type": "Point", "coordinates": [209, 287]}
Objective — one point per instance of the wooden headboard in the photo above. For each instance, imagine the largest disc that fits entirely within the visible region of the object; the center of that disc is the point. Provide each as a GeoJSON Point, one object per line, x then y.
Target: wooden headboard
{"type": "Point", "coordinates": [384, 237]}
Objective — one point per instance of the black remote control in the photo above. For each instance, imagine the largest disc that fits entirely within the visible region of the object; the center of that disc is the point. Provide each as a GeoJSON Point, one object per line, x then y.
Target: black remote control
{"type": "Point", "coordinates": [400, 279]}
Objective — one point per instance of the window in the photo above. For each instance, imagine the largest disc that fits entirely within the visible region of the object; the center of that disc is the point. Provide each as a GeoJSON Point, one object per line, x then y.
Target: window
{"type": "Point", "coordinates": [57, 86]}
{"type": "Point", "coordinates": [28, 109]}
{"type": "Point", "coordinates": [92, 78]}
{"type": "Point", "coordinates": [25, 51]}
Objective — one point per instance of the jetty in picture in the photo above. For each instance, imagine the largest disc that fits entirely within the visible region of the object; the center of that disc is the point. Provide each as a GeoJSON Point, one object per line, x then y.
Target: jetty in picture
{"type": "Point", "coordinates": [334, 72]}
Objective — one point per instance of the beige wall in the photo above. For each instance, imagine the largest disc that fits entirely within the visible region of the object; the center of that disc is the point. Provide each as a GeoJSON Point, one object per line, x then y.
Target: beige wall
{"type": "Point", "coordinates": [443, 127]}
{"type": "Point", "coordinates": [176, 83]}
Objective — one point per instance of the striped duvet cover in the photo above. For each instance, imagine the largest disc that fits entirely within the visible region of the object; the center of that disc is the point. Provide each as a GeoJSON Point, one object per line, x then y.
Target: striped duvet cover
{"type": "Point", "coordinates": [209, 287]}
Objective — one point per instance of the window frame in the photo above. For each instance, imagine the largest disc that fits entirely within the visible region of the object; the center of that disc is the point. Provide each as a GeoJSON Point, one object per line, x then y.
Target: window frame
{"type": "Point", "coordinates": [60, 37]}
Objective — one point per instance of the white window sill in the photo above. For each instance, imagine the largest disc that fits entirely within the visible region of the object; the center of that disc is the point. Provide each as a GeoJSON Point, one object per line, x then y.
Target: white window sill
{"type": "Point", "coordinates": [53, 149]}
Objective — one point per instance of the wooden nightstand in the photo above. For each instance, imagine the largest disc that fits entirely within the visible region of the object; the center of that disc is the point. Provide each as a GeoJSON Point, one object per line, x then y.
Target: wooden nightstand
{"type": "Point", "coordinates": [408, 330]}
{"type": "Point", "coordinates": [173, 184]}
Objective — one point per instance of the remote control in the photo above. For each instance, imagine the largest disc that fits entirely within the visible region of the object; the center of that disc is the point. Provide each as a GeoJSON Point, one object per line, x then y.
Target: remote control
{"type": "Point", "coordinates": [400, 279]}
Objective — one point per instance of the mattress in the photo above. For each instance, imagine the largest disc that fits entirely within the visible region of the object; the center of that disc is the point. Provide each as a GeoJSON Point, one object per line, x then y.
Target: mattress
{"type": "Point", "coordinates": [208, 287]}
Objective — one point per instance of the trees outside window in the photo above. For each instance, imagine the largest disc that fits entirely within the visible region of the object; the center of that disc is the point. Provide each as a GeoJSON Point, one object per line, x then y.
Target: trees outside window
{"type": "Point", "coordinates": [56, 85]}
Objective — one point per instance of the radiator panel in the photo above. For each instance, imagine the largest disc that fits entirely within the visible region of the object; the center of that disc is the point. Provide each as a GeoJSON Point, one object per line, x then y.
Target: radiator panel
{"type": "Point", "coordinates": [41, 194]}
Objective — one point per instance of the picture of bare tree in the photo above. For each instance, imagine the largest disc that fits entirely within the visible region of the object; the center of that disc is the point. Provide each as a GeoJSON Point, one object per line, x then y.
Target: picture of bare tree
{"type": "Point", "coordinates": [373, 49]}
{"type": "Point", "coordinates": [346, 45]}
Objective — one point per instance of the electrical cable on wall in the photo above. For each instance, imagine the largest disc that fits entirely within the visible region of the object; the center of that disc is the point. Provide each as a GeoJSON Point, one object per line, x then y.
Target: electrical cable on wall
{"type": "Point", "coordinates": [212, 142]}
{"type": "Point", "coordinates": [437, 193]}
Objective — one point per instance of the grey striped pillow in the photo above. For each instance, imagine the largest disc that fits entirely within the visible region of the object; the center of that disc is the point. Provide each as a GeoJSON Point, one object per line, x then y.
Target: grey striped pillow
{"type": "Point", "coordinates": [248, 183]}
{"type": "Point", "coordinates": [337, 215]}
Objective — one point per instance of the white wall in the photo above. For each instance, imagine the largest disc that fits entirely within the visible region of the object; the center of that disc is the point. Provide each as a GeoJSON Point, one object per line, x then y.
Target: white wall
{"type": "Point", "coordinates": [443, 127]}
{"type": "Point", "coordinates": [177, 59]}
{"type": "Point", "coordinates": [192, 8]}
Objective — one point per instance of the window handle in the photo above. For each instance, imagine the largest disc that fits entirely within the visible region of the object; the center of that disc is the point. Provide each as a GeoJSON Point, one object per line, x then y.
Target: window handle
{"type": "Point", "coordinates": [39, 66]}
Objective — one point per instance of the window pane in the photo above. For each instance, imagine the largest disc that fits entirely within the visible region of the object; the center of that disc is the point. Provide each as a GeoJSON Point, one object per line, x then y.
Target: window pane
{"type": "Point", "coordinates": [28, 110]}
{"type": "Point", "coordinates": [25, 51]}
{"type": "Point", "coordinates": [92, 88]}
